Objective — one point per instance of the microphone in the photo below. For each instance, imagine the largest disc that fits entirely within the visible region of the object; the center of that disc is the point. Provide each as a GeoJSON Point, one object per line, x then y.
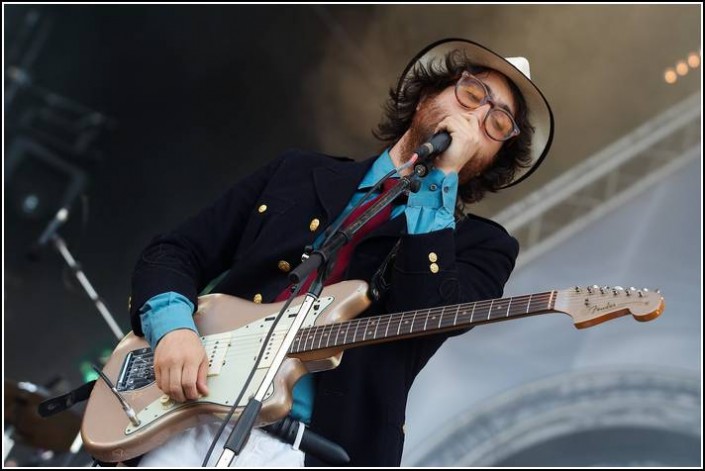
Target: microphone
{"type": "Point", "coordinates": [428, 150]}
{"type": "Point", "coordinates": [437, 144]}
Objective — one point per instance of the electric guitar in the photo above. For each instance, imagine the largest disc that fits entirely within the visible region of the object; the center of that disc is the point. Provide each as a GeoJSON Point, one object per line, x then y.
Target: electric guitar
{"type": "Point", "coordinates": [233, 331]}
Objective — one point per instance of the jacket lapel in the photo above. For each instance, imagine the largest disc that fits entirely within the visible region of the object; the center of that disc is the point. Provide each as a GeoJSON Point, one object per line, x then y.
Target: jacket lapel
{"type": "Point", "coordinates": [336, 184]}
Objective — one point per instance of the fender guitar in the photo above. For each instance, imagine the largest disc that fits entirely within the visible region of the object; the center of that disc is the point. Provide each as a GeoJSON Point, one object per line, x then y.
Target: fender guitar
{"type": "Point", "coordinates": [233, 331]}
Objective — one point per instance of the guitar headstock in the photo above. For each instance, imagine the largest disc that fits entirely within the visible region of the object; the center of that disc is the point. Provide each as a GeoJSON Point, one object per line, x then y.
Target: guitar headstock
{"type": "Point", "coordinates": [593, 305]}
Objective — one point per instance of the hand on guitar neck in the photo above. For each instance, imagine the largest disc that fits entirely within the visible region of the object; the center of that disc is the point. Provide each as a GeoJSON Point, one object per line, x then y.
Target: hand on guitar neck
{"type": "Point", "coordinates": [181, 365]}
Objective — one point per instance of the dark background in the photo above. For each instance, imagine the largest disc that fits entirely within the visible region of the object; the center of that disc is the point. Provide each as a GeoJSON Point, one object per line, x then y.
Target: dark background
{"type": "Point", "coordinates": [198, 96]}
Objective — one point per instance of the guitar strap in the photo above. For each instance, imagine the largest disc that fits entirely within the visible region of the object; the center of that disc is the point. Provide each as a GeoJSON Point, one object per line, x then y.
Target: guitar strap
{"type": "Point", "coordinates": [65, 401]}
{"type": "Point", "coordinates": [290, 430]}
{"type": "Point", "coordinates": [381, 280]}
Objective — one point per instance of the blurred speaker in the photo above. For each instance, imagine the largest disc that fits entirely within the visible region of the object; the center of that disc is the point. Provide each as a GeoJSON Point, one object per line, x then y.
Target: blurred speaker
{"type": "Point", "coordinates": [38, 183]}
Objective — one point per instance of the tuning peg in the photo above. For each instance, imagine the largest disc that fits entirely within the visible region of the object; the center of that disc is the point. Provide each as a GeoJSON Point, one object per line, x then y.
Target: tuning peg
{"type": "Point", "coordinates": [602, 291]}
{"type": "Point", "coordinates": [614, 292]}
{"type": "Point", "coordinates": [641, 295]}
{"type": "Point", "coordinates": [589, 289]}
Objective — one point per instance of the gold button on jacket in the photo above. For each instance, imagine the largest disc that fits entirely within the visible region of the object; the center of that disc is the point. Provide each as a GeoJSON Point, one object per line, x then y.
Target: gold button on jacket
{"type": "Point", "coordinates": [434, 268]}
{"type": "Point", "coordinates": [262, 208]}
{"type": "Point", "coordinates": [432, 257]}
{"type": "Point", "coordinates": [257, 299]}
{"type": "Point", "coordinates": [284, 266]}
{"type": "Point", "coordinates": [314, 224]}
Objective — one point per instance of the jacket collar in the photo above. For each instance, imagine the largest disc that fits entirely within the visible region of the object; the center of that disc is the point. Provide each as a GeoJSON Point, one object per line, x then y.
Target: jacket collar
{"type": "Point", "coordinates": [335, 185]}
{"type": "Point", "coordinates": [337, 182]}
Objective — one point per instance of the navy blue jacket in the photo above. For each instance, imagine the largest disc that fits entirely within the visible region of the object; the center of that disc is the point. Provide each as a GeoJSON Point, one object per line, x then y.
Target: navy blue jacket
{"type": "Point", "coordinates": [361, 404]}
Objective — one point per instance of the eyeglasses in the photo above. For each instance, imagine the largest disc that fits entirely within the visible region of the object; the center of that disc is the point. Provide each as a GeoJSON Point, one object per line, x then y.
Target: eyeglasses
{"type": "Point", "coordinates": [472, 94]}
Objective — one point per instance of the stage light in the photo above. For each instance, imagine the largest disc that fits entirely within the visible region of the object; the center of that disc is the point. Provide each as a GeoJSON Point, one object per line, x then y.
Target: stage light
{"type": "Point", "coordinates": [681, 68]}
{"type": "Point", "coordinates": [694, 60]}
{"type": "Point", "coordinates": [670, 76]}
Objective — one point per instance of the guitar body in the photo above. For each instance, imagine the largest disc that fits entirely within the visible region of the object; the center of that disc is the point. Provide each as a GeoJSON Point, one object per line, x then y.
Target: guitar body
{"type": "Point", "coordinates": [232, 331]}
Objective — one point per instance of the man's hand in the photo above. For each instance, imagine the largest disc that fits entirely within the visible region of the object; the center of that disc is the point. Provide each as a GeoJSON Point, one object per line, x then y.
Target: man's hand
{"type": "Point", "coordinates": [467, 140]}
{"type": "Point", "coordinates": [471, 151]}
{"type": "Point", "coordinates": [181, 365]}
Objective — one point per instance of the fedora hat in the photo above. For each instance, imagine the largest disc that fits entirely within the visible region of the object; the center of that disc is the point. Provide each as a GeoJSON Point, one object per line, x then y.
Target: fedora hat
{"type": "Point", "coordinates": [516, 69]}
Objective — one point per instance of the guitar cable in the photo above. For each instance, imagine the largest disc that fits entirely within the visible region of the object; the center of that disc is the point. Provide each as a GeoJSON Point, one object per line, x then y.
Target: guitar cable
{"type": "Point", "coordinates": [295, 291]}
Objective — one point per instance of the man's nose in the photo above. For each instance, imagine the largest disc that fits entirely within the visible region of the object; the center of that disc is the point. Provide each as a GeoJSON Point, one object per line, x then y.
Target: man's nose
{"type": "Point", "coordinates": [484, 108]}
{"type": "Point", "coordinates": [481, 111]}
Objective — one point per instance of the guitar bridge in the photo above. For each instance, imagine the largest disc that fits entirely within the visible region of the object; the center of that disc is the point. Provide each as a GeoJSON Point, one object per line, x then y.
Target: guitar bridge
{"type": "Point", "coordinates": [137, 370]}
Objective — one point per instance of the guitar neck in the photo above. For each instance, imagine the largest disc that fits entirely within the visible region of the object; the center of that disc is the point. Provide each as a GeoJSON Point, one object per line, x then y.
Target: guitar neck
{"type": "Point", "coordinates": [390, 327]}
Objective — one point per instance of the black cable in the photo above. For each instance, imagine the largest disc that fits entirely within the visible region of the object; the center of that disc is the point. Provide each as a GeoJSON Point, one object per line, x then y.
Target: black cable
{"type": "Point", "coordinates": [330, 232]}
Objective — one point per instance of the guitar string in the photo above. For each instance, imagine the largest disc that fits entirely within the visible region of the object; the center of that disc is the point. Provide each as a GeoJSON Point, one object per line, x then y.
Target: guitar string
{"type": "Point", "coordinates": [212, 339]}
{"type": "Point", "coordinates": [317, 333]}
{"type": "Point", "coordinates": [395, 319]}
{"type": "Point", "coordinates": [516, 308]}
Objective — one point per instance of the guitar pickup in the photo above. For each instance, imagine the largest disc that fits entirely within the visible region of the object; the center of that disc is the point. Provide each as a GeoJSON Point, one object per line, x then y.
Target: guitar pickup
{"type": "Point", "coordinates": [216, 347]}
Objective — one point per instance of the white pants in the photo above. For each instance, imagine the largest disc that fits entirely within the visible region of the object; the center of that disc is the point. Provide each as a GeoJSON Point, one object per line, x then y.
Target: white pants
{"type": "Point", "coordinates": [189, 447]}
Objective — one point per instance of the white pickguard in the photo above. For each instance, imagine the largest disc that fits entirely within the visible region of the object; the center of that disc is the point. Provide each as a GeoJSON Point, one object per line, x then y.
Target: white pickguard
{"type": "Point", "coordinates": [232, 356]}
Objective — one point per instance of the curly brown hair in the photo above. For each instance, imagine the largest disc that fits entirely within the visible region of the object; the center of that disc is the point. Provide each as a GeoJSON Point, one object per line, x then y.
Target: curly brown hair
{"type": "Point", "coordinates": [431, 80]}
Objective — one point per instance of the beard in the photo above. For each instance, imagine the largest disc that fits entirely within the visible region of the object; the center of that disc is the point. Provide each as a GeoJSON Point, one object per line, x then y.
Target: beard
{"type": "Point", "coordinates": [421, 129]}
{"type": "Point", "coordinates": [423, 124]}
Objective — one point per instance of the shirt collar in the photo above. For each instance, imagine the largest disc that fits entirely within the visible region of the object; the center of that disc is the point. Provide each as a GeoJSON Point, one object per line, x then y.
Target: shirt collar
{"type": "Point", "coordinates": [382, 166]}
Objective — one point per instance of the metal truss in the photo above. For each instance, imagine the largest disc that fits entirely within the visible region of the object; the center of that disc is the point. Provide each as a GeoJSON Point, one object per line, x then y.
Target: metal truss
{"type": "Point", "coordinates": [604, 181]}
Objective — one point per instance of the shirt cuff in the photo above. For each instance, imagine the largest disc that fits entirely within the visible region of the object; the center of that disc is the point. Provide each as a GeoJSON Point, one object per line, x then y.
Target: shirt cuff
{"type": "Point", "coordinates": [163, 313]}
{"type": "Point", "coordinates": [432, 208]}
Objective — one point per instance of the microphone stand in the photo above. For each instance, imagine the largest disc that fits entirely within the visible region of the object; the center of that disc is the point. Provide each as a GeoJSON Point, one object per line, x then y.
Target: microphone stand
{"type": "Point", "coordinates": [329, 249]}
{"type": "Point", "coordinates": [60, 246]}
{"type": "Point", "coordinates": [323, 257]}
{"type": "Point", "coordinates": [51, 234]}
